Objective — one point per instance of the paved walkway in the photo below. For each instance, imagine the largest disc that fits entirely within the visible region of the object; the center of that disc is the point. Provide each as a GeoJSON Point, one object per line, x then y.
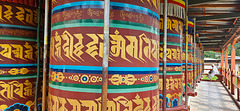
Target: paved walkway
{"type": "Point", "coordinates": [212, 96]}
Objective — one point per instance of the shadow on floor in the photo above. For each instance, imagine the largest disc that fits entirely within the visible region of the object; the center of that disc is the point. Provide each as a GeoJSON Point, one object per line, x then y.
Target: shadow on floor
{"type": "Point", "coordinates": [212, 97]}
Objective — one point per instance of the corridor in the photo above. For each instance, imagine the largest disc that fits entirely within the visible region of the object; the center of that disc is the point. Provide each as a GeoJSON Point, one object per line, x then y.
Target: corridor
{"type": "Point", "coordinates": [212, 96]}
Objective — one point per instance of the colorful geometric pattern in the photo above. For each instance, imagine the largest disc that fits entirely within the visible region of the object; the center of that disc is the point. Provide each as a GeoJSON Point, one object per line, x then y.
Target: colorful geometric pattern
{"type": "Point", "coordinates": [77, 52]}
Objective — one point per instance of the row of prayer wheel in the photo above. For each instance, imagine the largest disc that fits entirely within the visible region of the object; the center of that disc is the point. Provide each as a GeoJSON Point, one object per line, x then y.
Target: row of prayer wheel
{"type": "Point", "coordinates": [18, 54]}
{"type": "Point", "coordinates": [76, 53]}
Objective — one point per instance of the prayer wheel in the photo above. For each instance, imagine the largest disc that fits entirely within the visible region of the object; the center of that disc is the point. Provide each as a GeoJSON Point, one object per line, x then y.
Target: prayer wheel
{"type": "Point", "coordinates": [195, 51]}
{"type": "Point", "coordinates": [76, 53]}
{"type": "Point", "coordinates": [18, 54]}
{"type": "Point", "coordinates": [189, 54]}
{"type": "Point", "coordinates": [202, 60]}
{"type": "Point", "coordinates": [176, 15]}
{"type": "Point", "coordinates": [195, 64]}
{"type": "Point", "coordinates": [198, 61]}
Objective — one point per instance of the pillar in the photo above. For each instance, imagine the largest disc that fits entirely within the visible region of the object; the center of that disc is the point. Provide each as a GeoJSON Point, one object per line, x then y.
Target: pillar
{"type": "Point", "coordinates": [222, 68]}
{"type": "Point", "coordinates": [232, 66]}
{"type": "Point", "coordinates": [226, 65]}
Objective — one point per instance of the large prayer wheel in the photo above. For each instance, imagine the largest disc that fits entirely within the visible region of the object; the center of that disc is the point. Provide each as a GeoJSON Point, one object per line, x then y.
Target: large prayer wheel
{"type": "Point", "coordinates": [202, 60]}
{"type": "Point", "coordinates": [189, 54]}
{"type": "Point", "coordinates": [18, 54]}
{"type": "Point", "coordinates": [75, 77]}
{"type": "Point", "coordinates": [196, 56]}
{"type": "Point", "coordinates": [195, 63]}
{"type": "Point", "coordinates": [176, 15]}
{"type": "Point", "coordinates": [198, 61]}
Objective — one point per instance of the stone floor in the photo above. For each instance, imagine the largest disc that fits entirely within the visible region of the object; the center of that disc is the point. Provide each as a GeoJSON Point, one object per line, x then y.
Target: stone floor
{"type": "Point", "coordinates": [212, 96]}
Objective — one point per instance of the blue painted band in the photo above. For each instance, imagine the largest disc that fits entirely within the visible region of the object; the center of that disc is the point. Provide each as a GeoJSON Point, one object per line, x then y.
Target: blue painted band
{"type": "Point", "coordinates": [171, 64]}
{"type": "Point", "coordinates": [100, 72]}
{"type": "Point", "coordinates": [16, 65]}
{"type": "Point", "coordinates": [98, 69]}
{"type": "Point", "coordinates": [100, 4]}
{"type": "Point", "coordinates": [187, 64]}
{"type": "Point", "coordinates": [188, 44]}
{"type": "Point", "coordinates": [172, 35]}
{"type": "Point", "coordinates": [8, 26]}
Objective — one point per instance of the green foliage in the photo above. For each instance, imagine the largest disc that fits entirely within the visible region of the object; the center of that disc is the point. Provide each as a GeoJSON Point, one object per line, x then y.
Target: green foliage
{"type": "Point", "coordinates": [206, 78]}
{"type": "Point", "coordinates": [237, 50]}
{"type": "Point", "coordinates": [229, 50]}
{"type": "Point", "coordinates": [210, 54]}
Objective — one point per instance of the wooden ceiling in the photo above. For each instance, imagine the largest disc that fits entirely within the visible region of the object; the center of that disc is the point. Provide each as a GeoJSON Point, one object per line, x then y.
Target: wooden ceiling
{"type": "Point", "coordinates": [216, 21]}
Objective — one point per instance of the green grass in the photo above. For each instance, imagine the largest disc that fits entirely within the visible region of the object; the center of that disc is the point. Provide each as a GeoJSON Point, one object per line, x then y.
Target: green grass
{"type": "Point", "coordinates": [206, 78]}
{"type": "Point", "coordinates": [235, 80]}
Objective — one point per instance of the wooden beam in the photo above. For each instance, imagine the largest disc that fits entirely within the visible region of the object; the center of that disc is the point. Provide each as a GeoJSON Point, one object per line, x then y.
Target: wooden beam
{"type": "Point", "coordinates": [206, 43]}
{"type": "Point", "coordinates": [209, 44]}
{"type": "Point", "coordinates": [210, 40]}
{"type": "Point", "coordinates": [218, 38]}
{"type": "Point", "coordinates": [205, 14]}
{"type": "Point", "coordinates": [222, 20]}
{"type": "Point", "coordinates": [202, 24]}
{"type": "Point", "coordinates": [232, 33]}
{"type": "Point", "coordinates": [212, 49]}
{"type": "Point", "coordinates": [214, 46]}
{"type": "Point", "coordinates": [213, 35]}
{"type": "Point", "coordinates": [215, 49]}
{"type": "Point", "coordinates": [217, 17]}
{"type": "Point", "coordinates": [199, 2]}
{"type": "Point", "coordinates": [215, 27]}
{"type": "Point", "coordinates": [213, 5]}
{"type": "Point", "coordinates": [207, 32]}
{"type": "Point", "coordinates": [231, 38]}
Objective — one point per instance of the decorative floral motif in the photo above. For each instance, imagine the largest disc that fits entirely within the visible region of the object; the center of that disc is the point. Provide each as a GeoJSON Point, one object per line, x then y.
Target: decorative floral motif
{"type": "Point", "coordinates": [15, 71]}
{"type": "Point", "coordinates": [39, 107]}
{"type": "Point", "coordinates": [57, 76]}
{"type": "Point", "coordinates": [17, 107]}
{"type": "Point", "coordinates": [178, 68]}
{"type": "Point", "coordinates": [85, 78]}
{"type": "Point", "coordinates": [115, 79]}
{"type": "Point", "coordinates": [119, 79]}
{"type": "Point", "coordinates": [2, 72]}
{"type": "Point", "coordinates": [174, 102]}
{"type": "Point", "coordinates": [171, 100]}
{"type": "Point", "coordinates": [149, 78]}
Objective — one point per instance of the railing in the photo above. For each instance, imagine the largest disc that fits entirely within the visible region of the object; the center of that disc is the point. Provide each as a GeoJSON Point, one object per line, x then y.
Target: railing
{"type": "Point", "coordinates": [237, 85]}
{"type": "Point", "coordinates": [232, 82]}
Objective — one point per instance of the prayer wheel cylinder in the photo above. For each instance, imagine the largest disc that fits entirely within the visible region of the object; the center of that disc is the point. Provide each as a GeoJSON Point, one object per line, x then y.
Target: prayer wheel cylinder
{"type": "Point", "coordinates": [76, 53]}
{"type": "Point", "coordinates": [18, 54]}
{"type": "Point", "coordinates": [198, 61]}
{"type": "Point", "coordinates": [202, 61]}
{"type": "Point", "coordinates": [195, 64]}
{"type": "Point", "coordinates": [176, 15]}
{"type": "Point", "coordinates": [189, 55]}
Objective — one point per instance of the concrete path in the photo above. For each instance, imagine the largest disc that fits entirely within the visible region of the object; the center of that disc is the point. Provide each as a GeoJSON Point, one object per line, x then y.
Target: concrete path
{"type": "Point", "coordinates": [212, 96]}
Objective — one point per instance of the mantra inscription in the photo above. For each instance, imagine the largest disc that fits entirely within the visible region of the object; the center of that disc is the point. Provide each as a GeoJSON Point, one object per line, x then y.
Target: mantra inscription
{"type": "Point", "coordinates": [138, 48]}
{"type": "Point", "coordinates": [119, 103]}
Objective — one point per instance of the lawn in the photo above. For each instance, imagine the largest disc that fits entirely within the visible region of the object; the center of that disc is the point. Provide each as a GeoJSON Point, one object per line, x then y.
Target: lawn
{"type": "Point", "coordinates": [235, 80]}
{"type": "Point", "coordinates": [206, 78]}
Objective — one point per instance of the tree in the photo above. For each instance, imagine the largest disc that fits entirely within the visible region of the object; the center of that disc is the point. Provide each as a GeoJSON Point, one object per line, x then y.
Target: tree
{"type": "Point", "coordinates": [210, 54]}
